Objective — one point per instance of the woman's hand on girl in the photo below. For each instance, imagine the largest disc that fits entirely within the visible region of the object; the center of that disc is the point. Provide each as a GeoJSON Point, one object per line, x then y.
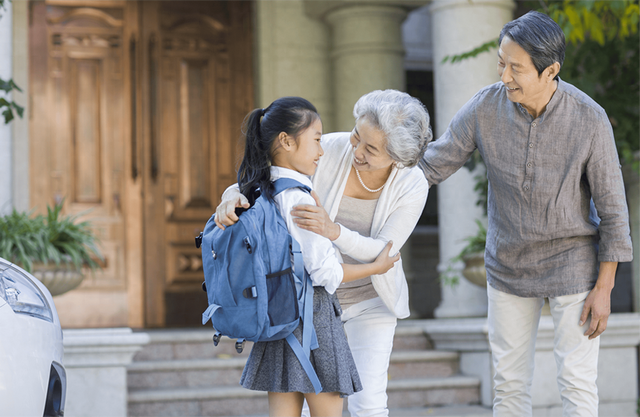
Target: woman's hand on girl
{"type": "Point", "coordinates": [315, 219]}
{"type": "Point", "coordinates": [226, 211]}
{"type": "Point", "coordinates": [384, 262]}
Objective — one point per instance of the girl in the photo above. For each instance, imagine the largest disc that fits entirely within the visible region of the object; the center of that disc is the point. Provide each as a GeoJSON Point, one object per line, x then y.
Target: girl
{"type": "Point", "coordinates": [283, 141]}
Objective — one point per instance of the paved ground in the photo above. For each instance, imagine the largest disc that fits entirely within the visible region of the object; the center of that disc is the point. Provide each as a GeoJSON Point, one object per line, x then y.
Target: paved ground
{"type": "Point", "coordinates": [451, 411]}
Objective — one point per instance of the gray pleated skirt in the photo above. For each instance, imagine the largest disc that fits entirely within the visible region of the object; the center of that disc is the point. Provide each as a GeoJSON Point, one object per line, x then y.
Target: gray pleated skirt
{"type": "Point", "coordinates": [273, 367]}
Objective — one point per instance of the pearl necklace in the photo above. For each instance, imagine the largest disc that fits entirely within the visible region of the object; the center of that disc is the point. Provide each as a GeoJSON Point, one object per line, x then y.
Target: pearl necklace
{"type": "Point", "coordinates": [365, 187]}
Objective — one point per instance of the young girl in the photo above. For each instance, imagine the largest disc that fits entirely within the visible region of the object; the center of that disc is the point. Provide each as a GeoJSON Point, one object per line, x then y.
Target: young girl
{"type": "Point", "coordinates": [283, 141]}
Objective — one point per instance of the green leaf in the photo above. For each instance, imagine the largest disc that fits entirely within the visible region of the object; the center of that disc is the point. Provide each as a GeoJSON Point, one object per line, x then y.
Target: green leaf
{"type": "Point", "coordinates": [492, 44]}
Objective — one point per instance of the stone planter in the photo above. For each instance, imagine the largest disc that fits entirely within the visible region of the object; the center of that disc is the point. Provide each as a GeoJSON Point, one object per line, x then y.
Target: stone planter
{"type": "Point", "coordinates": [57, 278]}
{"type": "Point", "coordinates": [474, 270]}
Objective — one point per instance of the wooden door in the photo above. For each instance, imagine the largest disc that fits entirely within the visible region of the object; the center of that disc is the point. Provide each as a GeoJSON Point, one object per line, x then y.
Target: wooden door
{"type": "Point", "coordinates": [197, 90]}
{"type": "Point", "coordinates": [77, 125]}
{"type": "Point", "coordinates": [136, 115]}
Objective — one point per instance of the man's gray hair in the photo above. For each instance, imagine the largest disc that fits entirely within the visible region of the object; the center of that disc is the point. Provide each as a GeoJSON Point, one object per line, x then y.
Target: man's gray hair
{"type": "Point", "coordinates": [403, 120]}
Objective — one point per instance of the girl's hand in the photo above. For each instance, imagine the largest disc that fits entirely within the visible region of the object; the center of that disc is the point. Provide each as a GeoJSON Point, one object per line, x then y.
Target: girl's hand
{"type": "Point", "coordinates": [226, 211]}
{"type": "Point", "coordinates": [315, 219]}
{"type": "Point", "coordinates": [384, 262]}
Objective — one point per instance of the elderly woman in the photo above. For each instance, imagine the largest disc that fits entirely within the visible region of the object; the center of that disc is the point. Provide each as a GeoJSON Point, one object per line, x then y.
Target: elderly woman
{"type": "Point", "coordinates": [373, 192]}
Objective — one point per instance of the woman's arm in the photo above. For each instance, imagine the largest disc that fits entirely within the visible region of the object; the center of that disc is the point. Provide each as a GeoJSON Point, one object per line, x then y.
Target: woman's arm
{"type": "Point", "coordinates": [397, 228]}
{"type": "Point", "coordinates": [319, 254]}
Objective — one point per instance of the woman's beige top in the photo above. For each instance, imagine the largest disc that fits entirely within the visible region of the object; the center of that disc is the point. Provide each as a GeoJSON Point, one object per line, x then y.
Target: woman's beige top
{"type": "Point", "coordinates": [357, 215]}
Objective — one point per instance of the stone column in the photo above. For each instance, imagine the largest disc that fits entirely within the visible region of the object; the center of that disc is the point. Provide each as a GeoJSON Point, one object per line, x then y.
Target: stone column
{"type": "Point", "coordinates": [20, 126]}
{"type": "Point", "coordinates": [367, 54]}
{"type": "Point", "coordinates": [6, 59]}
{"type": "Point", "coordinates": [292, 56]}
{"type": "Point", "coordinates": [459, 26]}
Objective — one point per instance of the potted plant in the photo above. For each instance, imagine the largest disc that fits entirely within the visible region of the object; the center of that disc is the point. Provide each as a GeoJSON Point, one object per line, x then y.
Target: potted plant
{"type": "Point", "coordinates": [54, 248]}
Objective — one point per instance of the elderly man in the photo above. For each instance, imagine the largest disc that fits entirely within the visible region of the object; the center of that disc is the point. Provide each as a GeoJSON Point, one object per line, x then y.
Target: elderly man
{"type": "Point", "coordinates": [549, 152]}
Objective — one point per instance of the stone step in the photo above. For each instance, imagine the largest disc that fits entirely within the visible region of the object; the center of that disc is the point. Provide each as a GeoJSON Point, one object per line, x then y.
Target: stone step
{"type": "Point", "coordinates": [429, 411]}
{"type": "Point", "coordinates": [444, 411]}
{"type": "Point", "coordinates": [181, 344]}
{"type": "Point", "coordinates": [231, 401]}
{"type": "Point", "coordinates": [227, 372]}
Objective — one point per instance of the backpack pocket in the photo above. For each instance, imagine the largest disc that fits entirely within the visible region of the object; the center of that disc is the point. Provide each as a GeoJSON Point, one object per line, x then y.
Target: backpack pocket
{"type": "Point", "coordinates": [283, 301]}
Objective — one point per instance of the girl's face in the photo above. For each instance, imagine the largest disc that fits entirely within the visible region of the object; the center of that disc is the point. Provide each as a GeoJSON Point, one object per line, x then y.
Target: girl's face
{"type": "Point", "coordinates": [302, 155]}
{"type": "Point", "coordinates": [369, 147]}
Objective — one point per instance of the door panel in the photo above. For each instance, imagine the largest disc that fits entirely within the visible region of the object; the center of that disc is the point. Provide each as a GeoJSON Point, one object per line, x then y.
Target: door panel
{"type": "Point", "coordinates": [193, 139]}
{"type": "Point", "coordinates": [77, 127]}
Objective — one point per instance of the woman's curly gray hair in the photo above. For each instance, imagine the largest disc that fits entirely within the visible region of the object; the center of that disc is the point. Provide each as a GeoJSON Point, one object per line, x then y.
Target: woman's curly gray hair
{"type": "Point", "coordinates": [403, 120]}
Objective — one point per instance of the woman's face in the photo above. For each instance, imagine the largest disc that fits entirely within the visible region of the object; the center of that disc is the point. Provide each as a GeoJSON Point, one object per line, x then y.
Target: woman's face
{"type": "Point", "coordinates": [369, 147]}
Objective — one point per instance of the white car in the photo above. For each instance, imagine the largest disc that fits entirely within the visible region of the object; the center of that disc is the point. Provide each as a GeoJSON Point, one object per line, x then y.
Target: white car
{"type": "Point", "coordinates": [33, 381]}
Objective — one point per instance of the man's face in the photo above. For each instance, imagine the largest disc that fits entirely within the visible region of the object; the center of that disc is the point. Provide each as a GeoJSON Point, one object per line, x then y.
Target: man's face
{"type": "Point", "coordinates": [520, 77]}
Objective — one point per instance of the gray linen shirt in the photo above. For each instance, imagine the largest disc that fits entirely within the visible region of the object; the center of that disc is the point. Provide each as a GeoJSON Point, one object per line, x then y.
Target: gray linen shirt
{"type": "Point", "coordinates": [543, 173]}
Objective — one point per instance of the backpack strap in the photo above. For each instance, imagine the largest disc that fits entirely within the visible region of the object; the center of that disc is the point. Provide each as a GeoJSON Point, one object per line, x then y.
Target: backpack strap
{"type": "Point", "coordinates": [285, 183]}
{"type": "Point", "coordinates": [309, 337]}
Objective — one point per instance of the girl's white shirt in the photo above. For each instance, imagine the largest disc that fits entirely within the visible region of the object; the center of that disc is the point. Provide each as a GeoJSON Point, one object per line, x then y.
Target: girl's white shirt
{"type": "Point", "coordinates": [319, 255]}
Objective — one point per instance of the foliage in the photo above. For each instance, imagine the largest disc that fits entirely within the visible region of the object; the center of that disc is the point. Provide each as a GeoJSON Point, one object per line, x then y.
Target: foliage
{"type": "Point", "coordinates": [7, 107]}
{"type": "Point", "coordinates": [52, 238]}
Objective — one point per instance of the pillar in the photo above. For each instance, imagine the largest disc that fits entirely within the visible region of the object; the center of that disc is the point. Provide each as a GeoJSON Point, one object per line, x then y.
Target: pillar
{"type": "Point", "coordinates": [459, 26]}
{"type": "Point", "coordinates": [292, 56]}
{"type": "Point", "coordinates": [367, 54]}
{"type": "Point", "coordinates": [20, 126]}
{"type": "Point", "coordinates": [6, 48]}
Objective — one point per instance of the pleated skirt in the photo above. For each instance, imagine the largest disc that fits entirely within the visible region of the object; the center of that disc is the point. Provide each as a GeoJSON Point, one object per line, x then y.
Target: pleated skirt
{"type": "Point", "coordinates": [273, 367]}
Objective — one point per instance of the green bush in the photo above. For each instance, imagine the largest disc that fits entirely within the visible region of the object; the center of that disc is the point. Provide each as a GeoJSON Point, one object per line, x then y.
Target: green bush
{"type": "Point", "coordinates": [52, 238]}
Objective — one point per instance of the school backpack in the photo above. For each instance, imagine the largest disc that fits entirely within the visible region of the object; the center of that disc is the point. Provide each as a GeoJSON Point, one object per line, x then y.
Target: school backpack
{"type": "Point", "coordinates": [254, 289]}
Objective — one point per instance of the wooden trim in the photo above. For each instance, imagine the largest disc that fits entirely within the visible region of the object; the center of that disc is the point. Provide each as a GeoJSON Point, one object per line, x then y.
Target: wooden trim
{"type": "Point", "coordinates": [76, 3]}
{"type": "Point", "coordinates": [88, 12]}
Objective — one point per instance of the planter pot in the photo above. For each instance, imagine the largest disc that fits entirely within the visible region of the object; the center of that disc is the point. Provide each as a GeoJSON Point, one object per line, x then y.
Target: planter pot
{"type": "Point", "coordinates": [474, 270]}
{"type": "Point", "coordinates": [57, 278]}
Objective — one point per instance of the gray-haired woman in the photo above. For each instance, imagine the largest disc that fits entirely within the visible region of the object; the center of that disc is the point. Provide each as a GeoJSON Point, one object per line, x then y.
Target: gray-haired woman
{"type": "Point", "coordinates": [373, 193]}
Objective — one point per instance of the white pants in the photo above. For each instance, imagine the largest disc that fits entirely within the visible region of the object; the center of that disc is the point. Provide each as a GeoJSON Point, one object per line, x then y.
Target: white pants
{"type": "Point", "coordinates": [513, 326]}
{"type": "Point", "coordinates": [370, 327]}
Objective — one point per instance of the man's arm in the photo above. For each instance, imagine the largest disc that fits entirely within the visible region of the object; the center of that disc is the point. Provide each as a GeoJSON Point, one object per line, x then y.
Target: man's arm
{"type": "Point", "coordinates": [448, 153]}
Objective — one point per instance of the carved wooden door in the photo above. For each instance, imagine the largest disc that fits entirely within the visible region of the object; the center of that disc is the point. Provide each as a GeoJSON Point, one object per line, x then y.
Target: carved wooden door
{"type": "Point", "coordinates": [196, 62]}
{"type": "Point", "coordinates": [136, 113]}
{"type": "Point", "coordinates": [78, 124]}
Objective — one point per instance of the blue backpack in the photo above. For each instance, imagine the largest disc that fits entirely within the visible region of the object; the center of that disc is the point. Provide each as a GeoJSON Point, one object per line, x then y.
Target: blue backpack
{"type": "Point", "coordinates": [254, 293]}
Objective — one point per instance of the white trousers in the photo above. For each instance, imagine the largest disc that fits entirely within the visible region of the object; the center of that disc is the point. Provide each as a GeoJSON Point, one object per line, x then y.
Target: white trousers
{"type": "Point", "coordinates": [513, 326]}
{"type": "Point", "coordinates": [370, 327]}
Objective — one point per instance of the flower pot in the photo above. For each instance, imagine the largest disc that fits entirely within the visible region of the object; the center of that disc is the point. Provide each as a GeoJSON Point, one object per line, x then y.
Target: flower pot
{"type": "Point", "coordinates": [57, 278]}
{"type": "Point", "coordinates": [474, 270]}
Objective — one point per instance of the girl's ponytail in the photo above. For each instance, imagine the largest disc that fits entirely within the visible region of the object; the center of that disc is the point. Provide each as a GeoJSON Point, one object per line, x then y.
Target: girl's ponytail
{"type": "Point", "coordinates": [254, 172]}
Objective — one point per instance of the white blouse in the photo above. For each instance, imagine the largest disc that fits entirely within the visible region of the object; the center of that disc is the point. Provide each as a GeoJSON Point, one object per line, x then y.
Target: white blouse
{"type": "Point", "coordinates": [318, 253]}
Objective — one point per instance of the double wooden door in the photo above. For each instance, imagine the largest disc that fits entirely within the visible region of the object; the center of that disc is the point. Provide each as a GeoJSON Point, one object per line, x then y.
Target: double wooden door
{"type": "Point", "coordinates": [137, 113]}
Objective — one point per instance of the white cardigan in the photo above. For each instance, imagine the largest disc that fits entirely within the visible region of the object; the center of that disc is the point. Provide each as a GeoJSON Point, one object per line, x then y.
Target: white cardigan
{"type": "Point", "coordinates": [399, 207]}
